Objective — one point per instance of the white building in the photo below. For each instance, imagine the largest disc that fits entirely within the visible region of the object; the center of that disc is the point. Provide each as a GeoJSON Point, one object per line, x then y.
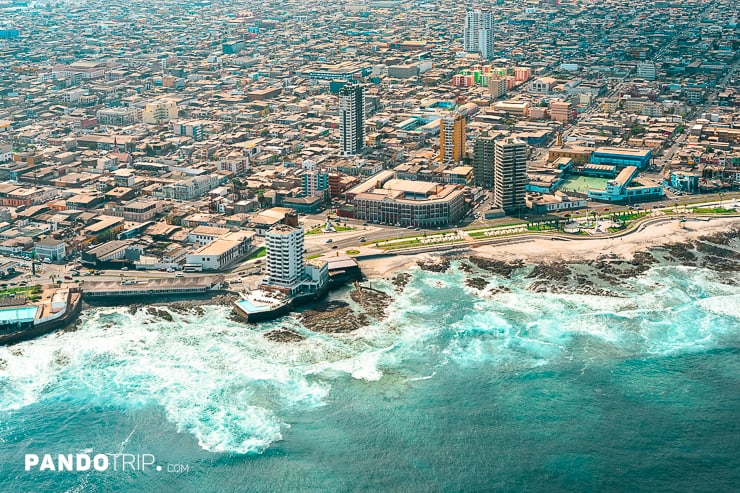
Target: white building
{"type": "Point", "coordinates": [51, 249]}
{"type": "Point", "coordinates": [646, 70]}
{"type": "Point", "coordinates": [119, 116]}
{"type": "Point", "coordinates": [285, 257]}
{"type": "Point", "coordinates": [203, 235]}
{"type": "Point", "coordinates": [478, 36]}
{"type": "Point", "coordinates": [223, 251]}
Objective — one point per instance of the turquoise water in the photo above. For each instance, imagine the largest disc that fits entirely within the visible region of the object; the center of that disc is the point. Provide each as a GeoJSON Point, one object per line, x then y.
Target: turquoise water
{"type": "Point", "coordinates": [23, 314]}
{"type": "Point", "coordinates": [250, 307]}
{"type": "Point", "coordinates": [456, 390]}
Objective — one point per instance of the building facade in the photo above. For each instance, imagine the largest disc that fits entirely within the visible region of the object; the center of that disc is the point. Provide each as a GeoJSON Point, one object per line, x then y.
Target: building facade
{"type": "Point", "coordinates": [159, 112]}
{"type": "Point", "coordinates": [452, 138]}
{"type": "Point", "coordinates": [484, 151]}
{"type": "Point", "coordinates": [510, 174]}
{"type": "Point", "coordinates": [285, 257]}
{"type": "Point", "coordinates": [411, 203]}
{"type": "Point", "coordinates": [478, 35]}
{"type": "Point", "coordinates": [351, 119]}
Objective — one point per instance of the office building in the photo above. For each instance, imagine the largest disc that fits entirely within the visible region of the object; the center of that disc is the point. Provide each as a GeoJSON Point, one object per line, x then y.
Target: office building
{"type": "Point", "coordinates": [561, 111]}
{"type": "Point", "coordinates": [351, 119]}
{"type": "Point", "coordinates": [510, 174]}
{"type": "Point", "coordinates": [478, 36]}
{"type": "Point", "coordinates": [484, 151]}
{"type": "Point", "coordinates": [411, 203]}
{"type": "Point", "coordinates": [452, 138]}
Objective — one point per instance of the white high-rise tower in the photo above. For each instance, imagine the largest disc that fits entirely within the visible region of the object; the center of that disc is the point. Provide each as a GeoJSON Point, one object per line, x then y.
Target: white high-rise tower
{"type": "Point", "coordinates": [479, 32]}
{"type": "Point", "coordinates": [285, 255]}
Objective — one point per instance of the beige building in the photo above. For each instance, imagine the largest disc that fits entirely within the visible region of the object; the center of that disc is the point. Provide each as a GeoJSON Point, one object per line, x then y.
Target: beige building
{"type": "Point", "coordinates": [159, 112]}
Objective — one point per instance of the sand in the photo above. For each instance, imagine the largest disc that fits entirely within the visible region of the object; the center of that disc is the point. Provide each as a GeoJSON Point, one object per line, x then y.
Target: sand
{"type": "Point", "coordinates": [545, 250]}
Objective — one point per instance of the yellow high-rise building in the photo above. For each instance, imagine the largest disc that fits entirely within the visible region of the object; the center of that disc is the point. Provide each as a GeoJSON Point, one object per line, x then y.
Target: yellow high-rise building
{"type": "Point", "coordinates": [452, 138]}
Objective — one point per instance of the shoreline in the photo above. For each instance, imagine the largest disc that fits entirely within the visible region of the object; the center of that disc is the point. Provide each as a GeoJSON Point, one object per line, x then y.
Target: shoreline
{"type": "Point", "coordinates": [545, 250]}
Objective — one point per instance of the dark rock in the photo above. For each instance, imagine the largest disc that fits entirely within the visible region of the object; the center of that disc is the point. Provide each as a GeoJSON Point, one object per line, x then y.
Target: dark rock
{"type": "Point", "coordinates": [434, 265]}
{"type": "Point", "coordinates": [163, 314]}
{"type": "Point", "coordinates": [497, 267]}
{"type": "Point", "coordinates": [283, 335]}
{"type": "Point", "coordinates": [372, 300]}
{"type": "Point", "coordinates": [401, 280]}
{"type": "Point", "coordinates": [476, 282]}
{"type": "Point", "coordinates": [340, 320]}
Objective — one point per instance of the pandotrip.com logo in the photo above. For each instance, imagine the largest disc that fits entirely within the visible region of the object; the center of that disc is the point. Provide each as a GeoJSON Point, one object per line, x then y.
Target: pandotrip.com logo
{"type": "Point", "coordinates": [99, 463]}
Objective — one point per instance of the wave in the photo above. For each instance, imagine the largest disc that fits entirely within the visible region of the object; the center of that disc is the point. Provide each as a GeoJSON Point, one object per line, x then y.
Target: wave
{"type": "Point", "coordinates": [231, 388]}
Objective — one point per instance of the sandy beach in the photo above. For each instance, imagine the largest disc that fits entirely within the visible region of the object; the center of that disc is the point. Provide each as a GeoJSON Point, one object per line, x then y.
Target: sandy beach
{"type": "Point", "coordinates": [540, 250]}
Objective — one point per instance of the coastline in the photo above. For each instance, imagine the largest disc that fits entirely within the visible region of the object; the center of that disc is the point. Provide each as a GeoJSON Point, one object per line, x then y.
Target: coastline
{"type": "Point", "coordinates": [544, 250]}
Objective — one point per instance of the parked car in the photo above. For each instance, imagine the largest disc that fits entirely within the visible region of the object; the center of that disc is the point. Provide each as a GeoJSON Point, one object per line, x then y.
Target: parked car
{"type": "Point", "coordinates": [124, 269]}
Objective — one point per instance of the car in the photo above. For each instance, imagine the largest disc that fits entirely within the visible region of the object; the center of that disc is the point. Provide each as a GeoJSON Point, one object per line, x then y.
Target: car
{"type": "Point", "coordinates": [179, 274]}
{"type": "Point", "coordinates": [46, 260]}
{"type": "Point", "coordinates": [124, 269]}
{"type": "Point", "coordinates": [68, 277]}
{"type": "Point", "coordinates": [334, 247]}
{"type": "Point", "coordinates": [362, 238]}
{"type": "Point", "coordinates": [237, 280]}
{"type": "Point", "coordinates": [365, 223]}
{"type": "Point", "coordinates": [329, 240]}
{"type": "Point", "coordinates": [162, 269]}
{"type": "Point", "coordinates": [170, 269]}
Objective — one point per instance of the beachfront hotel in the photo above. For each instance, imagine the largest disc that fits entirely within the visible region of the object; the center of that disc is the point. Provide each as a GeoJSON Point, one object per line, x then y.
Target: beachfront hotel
{"type": "Point", "coordinates": [287, 269]}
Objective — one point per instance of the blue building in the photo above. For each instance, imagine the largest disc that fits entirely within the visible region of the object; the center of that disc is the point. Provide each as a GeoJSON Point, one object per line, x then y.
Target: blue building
{"type": "Point", "coordinates": [619, 190]}
{"type": "Point", "coordinates": [622, 157]}
{"type": "Point", "coordinates": [232, 47]}
{"type": "Point", "coordinates": [685, 182]}
{"type": "Point", "coordinates": [316, 183]}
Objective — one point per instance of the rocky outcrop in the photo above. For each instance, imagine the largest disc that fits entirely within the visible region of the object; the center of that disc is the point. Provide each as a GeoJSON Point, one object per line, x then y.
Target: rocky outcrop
{"type": "Point", "coordinates": [374, 302]}
{"type": "Point", "coordinates": [283, 335]}
{"type": "Point", "coordinates": [497, 267]}
{"type": "Point", "coordinates": [333, 317]}
{"type": "Point", "coordinates": [476, 283]}
{"type": "Point", "coordinates": [401, 280]}
{"type": "Point", "coordinates": [434, 264]}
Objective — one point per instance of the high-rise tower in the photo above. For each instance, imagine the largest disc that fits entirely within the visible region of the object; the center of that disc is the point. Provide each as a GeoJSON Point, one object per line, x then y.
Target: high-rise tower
{"type": "Point", "coordinates": [352, 118]}
{"type": "Point", "coordinates": [484, 151]}
{"type": "Point", "coordinates": [478, 36]}
{"type": "Point", "coordinates": [452, 138]}
{"type": "Point", "coordinates": [510, 174]}
{"type": "Point", "coordinates": [284, 255]}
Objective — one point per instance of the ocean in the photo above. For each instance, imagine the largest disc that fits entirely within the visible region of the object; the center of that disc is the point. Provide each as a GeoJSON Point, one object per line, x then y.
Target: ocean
{"type": "Point", "coordinates": [454, 389]}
